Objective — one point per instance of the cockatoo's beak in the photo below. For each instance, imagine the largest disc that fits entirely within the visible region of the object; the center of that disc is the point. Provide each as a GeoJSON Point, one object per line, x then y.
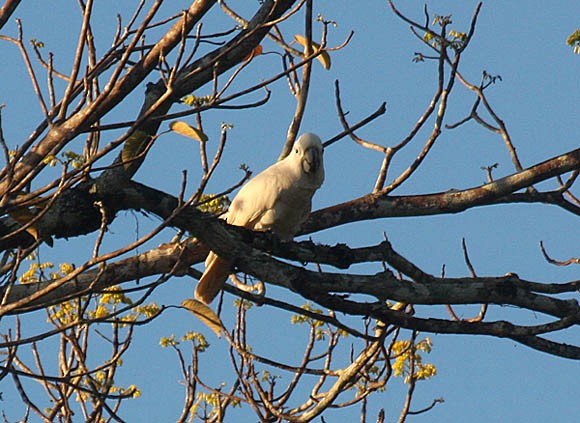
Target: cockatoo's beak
{"type": "Point", "coordinates": [311, 160]}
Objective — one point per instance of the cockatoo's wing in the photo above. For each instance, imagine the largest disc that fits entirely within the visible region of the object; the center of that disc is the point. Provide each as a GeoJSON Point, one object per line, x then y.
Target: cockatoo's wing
{"type": "Point", "coordinates": [272, 201]}
{"type": "Point", "coordinates": [277, 199]}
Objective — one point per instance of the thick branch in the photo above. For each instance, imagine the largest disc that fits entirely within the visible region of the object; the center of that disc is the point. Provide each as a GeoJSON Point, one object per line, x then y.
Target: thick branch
{"type": "Point", "coordinates": [378, 205]}
{"type": "Point", "coordinates": [175, 258]}
{"type": "Point", "coordinates": [502, 329]}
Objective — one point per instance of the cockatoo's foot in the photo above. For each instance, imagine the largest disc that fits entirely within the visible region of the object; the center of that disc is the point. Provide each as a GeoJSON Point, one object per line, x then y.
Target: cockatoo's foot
{"type": "Point", "coordinates": [258, 288]}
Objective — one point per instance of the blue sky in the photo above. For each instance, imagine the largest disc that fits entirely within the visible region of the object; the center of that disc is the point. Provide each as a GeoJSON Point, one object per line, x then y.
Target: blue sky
{"type": "Point", "coordinates": [481, 379]}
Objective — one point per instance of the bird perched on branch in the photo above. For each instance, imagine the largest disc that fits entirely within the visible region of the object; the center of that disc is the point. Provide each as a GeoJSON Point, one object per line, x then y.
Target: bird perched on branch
{"type": "Point", "coordinates": [278, 199]}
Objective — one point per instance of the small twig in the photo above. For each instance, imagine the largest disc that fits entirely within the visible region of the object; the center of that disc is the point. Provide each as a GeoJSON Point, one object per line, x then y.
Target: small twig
{"type": "Point", "coordinates": [441, 97]}
{"type": "Point", "coordinates": [573, 260]}
{"type": "Point", "coordinates": [303, 88]}
{"type": "Point", "coordinates": [428, 408]}
{"type": "Point", "coordinates": [216, 160]}
{"type": "Point", "coordinates": [380, 111]}
{"type": "Point", "coordinates": [489, 170]}
{"type": "Point", "coordinates": [346, 126]}
{"type": "Point", "coordinates": [483, 310]}
{"type": "Point", "coordinates": [77, 60]}
{"type": "Point", "coordinates": [411, 377]}
{"type": "Point", "coordinates": [31, 72]}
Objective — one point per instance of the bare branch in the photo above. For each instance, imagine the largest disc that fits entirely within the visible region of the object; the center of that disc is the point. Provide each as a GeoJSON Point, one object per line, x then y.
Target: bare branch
{"type": "Point", "coordinates": [7, 10]}
{"type": "Point", "coordinates": [568, 262]}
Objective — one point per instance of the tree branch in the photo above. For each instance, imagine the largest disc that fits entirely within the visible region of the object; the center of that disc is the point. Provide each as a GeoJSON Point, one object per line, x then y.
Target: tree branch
{"type": "Point", "coordinates": [7, 10]}
{"type": "Point", "coordinates": [377, 205]}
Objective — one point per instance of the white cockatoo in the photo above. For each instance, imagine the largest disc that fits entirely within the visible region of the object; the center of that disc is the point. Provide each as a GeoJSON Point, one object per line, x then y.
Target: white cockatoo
{"type": "Point", "coordinates": [278, 199]}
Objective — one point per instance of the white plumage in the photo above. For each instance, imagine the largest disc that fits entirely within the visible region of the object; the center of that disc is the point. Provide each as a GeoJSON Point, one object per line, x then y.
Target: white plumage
{"type": "Point", "coordinates": [278, 199]}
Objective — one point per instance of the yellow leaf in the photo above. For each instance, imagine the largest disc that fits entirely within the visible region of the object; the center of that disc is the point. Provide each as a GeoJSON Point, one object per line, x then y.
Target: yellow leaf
{"type": "Point", "coordinates": [23, 216]}
{"type": "Point", "coordinates": [187, 130]}
{"type": "Point", "coordinates": [101, 311]}
{"type": "Point", "coordinates": [323, 57]}
{"type": "Point", "coordinates": [205, 314]}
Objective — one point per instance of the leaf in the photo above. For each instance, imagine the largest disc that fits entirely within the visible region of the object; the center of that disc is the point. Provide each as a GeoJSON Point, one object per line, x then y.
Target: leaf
{"type": "Point", "coordinates": [574, 41]}
{"type": "Point", "coordinates": [187, 130]}
{"type": "Point", "coordinates": [323, 57]}
{"type": "Point", "coordinates": [134, 146]}
{"type": "Point", "coordinates": [23, 216]}
{"type": "Point", "coordinates": [205, 314]}
{"type": "Point", "coordinates": [255, 52]}
{"type": "Point", "coordinates": [195, 101]}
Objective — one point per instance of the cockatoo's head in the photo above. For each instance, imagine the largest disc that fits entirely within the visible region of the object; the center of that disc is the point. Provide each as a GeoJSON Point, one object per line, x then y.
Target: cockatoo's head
{"type": "Point", "coordinates": [308, 151]}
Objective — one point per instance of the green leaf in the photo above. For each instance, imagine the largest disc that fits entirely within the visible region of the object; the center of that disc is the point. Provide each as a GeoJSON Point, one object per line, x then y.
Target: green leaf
{"type": "Point", "coordinates": [134, 146]}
